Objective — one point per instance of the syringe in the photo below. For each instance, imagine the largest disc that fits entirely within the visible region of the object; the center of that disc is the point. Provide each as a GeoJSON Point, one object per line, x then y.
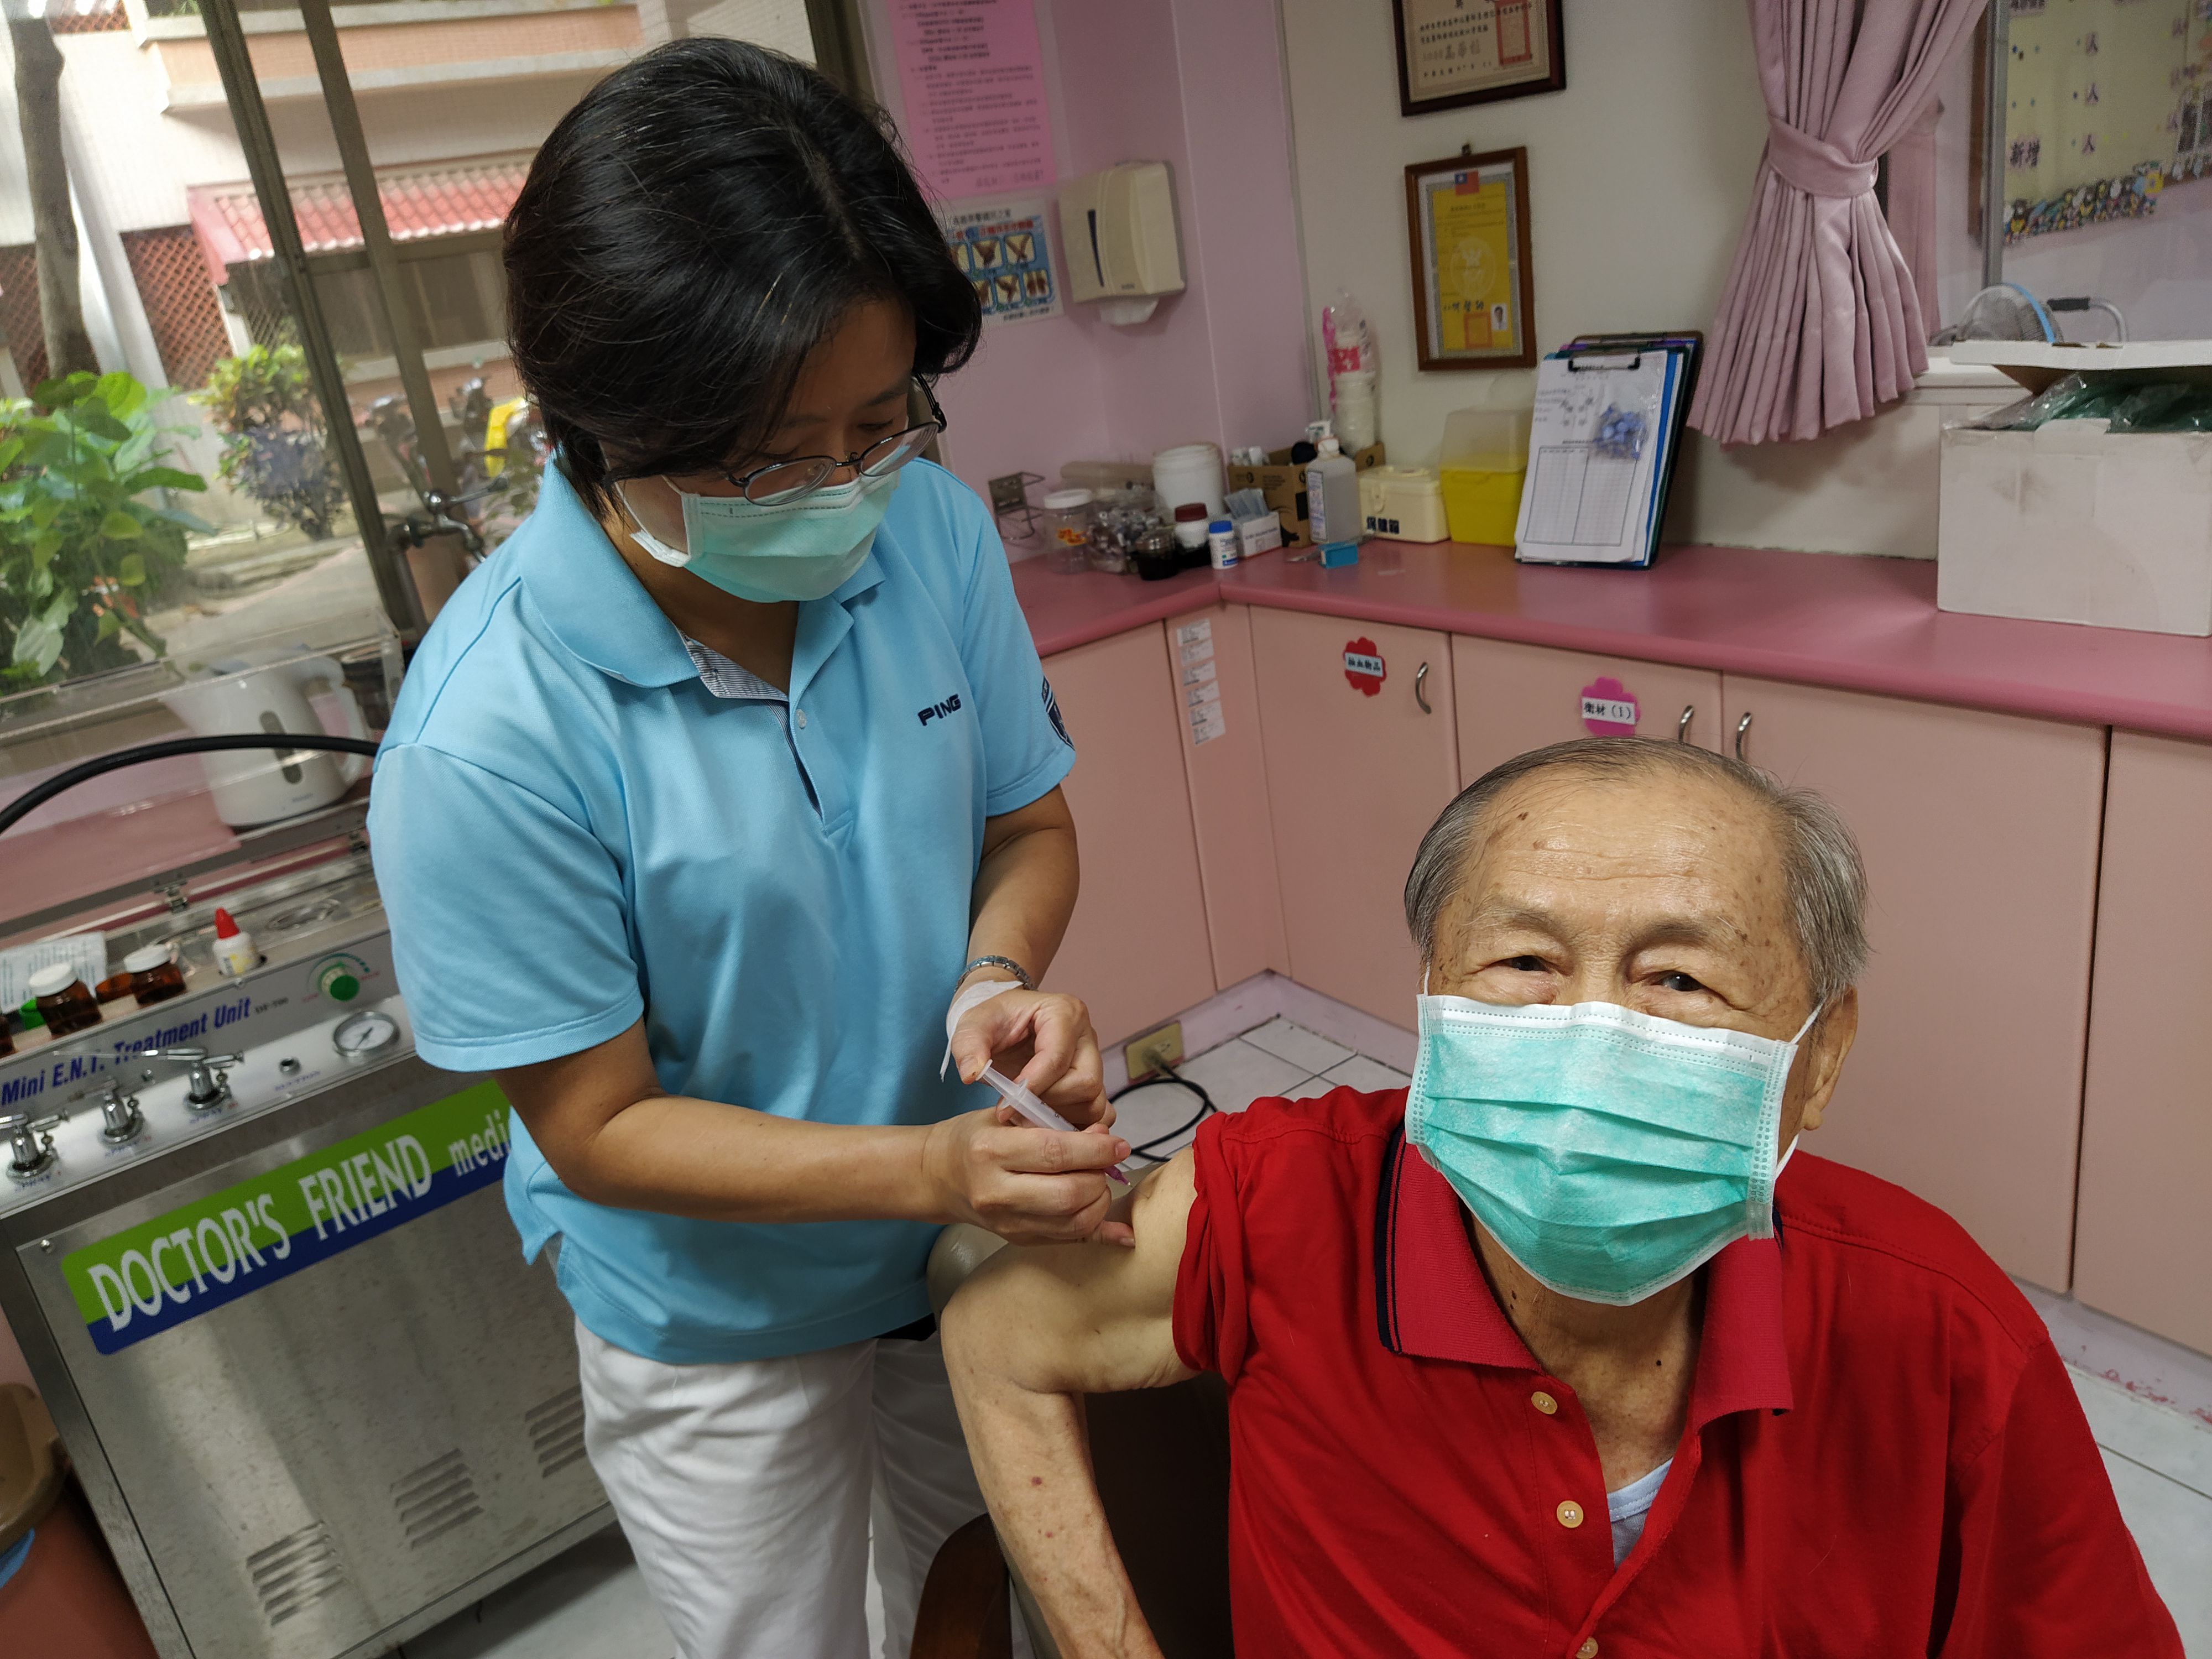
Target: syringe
{"type": "Point", "coordinates": [1025, 1102]}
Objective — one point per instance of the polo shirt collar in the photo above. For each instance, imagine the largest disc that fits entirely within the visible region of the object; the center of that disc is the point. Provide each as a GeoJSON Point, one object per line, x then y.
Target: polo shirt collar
{"type": "Point", "coordinates": [1433, 1301]}
{"type": "Point", "coordinates": [601, 612]}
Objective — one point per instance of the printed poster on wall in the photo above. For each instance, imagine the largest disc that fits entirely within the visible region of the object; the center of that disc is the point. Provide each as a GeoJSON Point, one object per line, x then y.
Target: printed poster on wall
{"type": "Point", "coordinates": [972, 76]}
{"type": "Point", "coordinates": [1005, 248]}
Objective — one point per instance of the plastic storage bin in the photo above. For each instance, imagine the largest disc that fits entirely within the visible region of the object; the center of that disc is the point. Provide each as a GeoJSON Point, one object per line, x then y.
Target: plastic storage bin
{"type": "Point", "coordinates": [1482, 466]}
{"type": "Point", "coordinates": [1405, 503]}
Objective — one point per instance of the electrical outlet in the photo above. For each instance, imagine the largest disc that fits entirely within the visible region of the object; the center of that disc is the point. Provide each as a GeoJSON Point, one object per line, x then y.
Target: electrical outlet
{"type": "Point", "coordinates": [1151, 1054]}
{"type": "Point", "coordinates": [1009, 493]}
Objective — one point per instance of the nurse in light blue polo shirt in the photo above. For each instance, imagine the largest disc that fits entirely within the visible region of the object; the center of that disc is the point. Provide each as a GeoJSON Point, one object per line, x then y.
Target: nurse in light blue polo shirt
{"type": "Point", "coordinates": [724, 788]}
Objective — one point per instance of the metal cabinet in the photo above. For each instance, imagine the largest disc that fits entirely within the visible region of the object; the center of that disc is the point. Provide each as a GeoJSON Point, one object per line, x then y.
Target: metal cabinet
{"type": "Point", "coordinates": [1137, 949]}
{"type": "Point", "coordinates": [1515, 697]}
{"type": "Point", "coordinates": [1356, 725]}
{"type": "Point", "coordinates": [2144, 1229]}
{"type": "Point", "coordinates": [1980, 832]}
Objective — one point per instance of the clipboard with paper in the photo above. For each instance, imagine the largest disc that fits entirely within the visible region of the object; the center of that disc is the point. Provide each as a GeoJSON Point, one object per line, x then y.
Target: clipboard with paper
{"type": "Point", "coordinates": [1601, 447]}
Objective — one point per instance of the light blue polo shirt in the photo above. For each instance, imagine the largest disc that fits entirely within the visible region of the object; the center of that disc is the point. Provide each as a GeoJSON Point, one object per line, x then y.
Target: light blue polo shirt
{"type": "Point", "coordinates": [570, 830]}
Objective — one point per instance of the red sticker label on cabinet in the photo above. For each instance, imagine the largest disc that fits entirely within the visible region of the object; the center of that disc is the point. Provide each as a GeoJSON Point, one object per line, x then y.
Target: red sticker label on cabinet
{"type": "Point", "coordinates": [1609, 708]}
{"type": "Point", "coordinates": [1364, 667]}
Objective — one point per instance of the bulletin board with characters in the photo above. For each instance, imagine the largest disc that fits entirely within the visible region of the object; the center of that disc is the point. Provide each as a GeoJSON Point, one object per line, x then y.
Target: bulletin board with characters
{"type": "Point", "coordinates": [2105, 105]}
{"type": "Point", "coordinates": [1005, 250]}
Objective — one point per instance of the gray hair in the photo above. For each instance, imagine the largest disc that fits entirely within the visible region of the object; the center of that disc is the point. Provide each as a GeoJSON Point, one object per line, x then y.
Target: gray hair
{"type": "Point", "coordinates": [1824, 875]}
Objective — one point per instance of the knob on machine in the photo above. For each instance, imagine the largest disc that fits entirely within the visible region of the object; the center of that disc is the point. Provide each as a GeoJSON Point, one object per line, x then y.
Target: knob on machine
{"type": "Point", "coordinates": [206, 1086]}
{"type": "Point", "coordinates": [30, 1144]}
{"type": "Point", "coordinates": [120, 1119]}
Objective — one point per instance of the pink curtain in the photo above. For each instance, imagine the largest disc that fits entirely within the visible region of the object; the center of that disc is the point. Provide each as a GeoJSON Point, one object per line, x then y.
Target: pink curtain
{"type": "Point", "coordinates": [1821, 321]}
{"type": "Point", "coordinates": [1913, 207]}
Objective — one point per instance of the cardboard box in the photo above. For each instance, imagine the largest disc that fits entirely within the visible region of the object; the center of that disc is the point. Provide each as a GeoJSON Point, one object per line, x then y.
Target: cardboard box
{"type": "Point", "coordinates": [1283, 484]}
{"type": "Point", "coordinates": [2071, 522]}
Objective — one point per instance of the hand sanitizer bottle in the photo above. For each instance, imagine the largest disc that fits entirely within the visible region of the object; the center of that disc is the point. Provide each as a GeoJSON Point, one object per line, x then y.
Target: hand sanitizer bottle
{"type": "Point", "coordinates": [1332, 495]}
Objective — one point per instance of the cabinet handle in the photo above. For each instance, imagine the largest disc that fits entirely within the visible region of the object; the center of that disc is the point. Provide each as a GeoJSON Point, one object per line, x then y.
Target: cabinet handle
{"type": "Point", "coordinates": [1743, 732]}
{"type": "Point", "coordinates": [1420, 679]}
{"type": "Point", "coordinates": [1682, 726]}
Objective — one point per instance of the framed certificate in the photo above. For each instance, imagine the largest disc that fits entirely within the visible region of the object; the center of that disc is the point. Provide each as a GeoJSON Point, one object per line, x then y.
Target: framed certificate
{"type": "Point", "coordinates": [1466, 228]}
{"type": "Point", "coordinates": [1471, 52]}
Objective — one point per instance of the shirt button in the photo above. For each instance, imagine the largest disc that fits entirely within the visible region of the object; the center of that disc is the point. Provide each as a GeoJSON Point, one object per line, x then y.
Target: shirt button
{"type": "Point", "coordinates": [1587, 1651]}
{"type": "Point", "coordinates": [1544, 1402]}
{"type": "Point", "coordinates": [1570, 1513]}
{"type": "Point", "coordinates": [801, 716]}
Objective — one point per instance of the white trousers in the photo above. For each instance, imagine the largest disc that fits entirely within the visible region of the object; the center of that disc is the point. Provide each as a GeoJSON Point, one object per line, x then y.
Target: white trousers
{"type": "Point", "coordinates": [747, 1490]}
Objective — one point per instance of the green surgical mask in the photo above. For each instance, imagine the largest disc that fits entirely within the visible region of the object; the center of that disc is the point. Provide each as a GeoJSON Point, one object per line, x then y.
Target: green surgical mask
{"type": "Point", "coordinates": [1610, 1153]}
{"type": "Point", "coordinates": [801, 550]}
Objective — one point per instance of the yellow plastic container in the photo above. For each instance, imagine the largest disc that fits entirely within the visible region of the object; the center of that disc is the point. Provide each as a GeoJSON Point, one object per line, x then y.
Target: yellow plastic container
{"type": "Point", "coordinates": [1484, 461]}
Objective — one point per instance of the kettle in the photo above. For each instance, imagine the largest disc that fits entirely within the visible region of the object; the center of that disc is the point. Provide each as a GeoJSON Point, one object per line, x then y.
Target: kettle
{"type": "Point", "coordinates": [253, 787]}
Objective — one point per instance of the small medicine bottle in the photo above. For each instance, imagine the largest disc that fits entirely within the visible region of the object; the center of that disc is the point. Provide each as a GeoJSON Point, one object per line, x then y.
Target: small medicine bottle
{"type": "Point", "coordinates": [1221, 543]}
{"type": "Point", "coordinates": [1190, 532]}
{"type": "Point", "coordinates": [234, 950]}
{"type": "Point", "coordinates": [65, 1002]}
{"type": "Point", "coordinates": [154, 974]}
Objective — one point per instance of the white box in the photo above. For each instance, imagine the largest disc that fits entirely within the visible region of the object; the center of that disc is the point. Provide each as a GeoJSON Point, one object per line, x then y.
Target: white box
{"type": "Point", "coordinates": [2073, 523]}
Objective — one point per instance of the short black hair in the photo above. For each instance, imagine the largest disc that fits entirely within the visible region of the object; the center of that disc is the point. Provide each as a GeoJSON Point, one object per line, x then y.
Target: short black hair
{"type": "Point", "coordinates": [690, 231]}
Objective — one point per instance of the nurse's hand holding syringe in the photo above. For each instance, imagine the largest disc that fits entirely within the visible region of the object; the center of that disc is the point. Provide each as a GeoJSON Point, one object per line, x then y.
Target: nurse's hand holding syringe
{"type": "Point", "coordinates": [1037, 1111]}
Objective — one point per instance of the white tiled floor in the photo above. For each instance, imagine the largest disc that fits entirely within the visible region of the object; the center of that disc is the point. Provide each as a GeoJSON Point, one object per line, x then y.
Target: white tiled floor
{"type": "Point", "coordinates": [1277, 1058]}
{"type": "Point", "coordinates": [591, 1603]}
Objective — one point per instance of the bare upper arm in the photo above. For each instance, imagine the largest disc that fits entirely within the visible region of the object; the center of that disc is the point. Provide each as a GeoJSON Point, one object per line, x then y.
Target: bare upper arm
{"type": "Point", "coordinates": [1082, 1318]}
{"type": "Point", "coordinates": [564, 1102]}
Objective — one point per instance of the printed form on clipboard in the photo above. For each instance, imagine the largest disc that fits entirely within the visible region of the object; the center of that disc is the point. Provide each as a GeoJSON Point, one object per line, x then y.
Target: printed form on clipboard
{"type": "Point", "coordinates": [1599, 450]}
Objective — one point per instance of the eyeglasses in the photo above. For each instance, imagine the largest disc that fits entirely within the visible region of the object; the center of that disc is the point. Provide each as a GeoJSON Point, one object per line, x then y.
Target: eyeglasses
{"type": "Point", "coordinates": [781, 482]}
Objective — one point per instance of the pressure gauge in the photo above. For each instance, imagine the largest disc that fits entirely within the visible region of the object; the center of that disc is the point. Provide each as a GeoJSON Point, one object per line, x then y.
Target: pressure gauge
{"type": "Point", "coordinates": [366, 1035]}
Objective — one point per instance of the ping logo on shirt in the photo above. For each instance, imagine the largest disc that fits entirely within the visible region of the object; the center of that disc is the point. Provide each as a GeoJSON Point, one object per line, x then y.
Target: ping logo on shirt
{"type": "Point", "coordinates": [938, 711]}
{"type": "Point", "coordinates": [1052, 709]}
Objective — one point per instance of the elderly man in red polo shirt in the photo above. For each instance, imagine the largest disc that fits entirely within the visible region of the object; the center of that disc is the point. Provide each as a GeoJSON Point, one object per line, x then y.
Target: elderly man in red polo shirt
{"type": "Point", "coordinates": [1539, 1357]}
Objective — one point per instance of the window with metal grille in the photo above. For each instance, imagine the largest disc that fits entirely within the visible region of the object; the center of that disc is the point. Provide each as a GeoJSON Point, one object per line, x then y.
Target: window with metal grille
{"type": "Point", "coordinates": [455, 299]}
{"type": "Point", "coordinates": [180, 300]}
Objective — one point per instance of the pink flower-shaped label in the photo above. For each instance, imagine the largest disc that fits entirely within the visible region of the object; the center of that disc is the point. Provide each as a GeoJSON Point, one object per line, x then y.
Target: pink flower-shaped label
{"type": "Point", "coordinates": [1609, 708]}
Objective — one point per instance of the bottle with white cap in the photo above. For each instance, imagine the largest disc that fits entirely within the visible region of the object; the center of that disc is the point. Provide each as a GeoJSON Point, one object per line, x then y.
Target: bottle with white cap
{"type": "Point", "coordinates": [1332, 495]}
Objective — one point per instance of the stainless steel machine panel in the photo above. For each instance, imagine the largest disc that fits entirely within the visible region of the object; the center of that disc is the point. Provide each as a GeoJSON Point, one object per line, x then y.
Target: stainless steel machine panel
{"type": "Point", "coordinates": [315, 1460]}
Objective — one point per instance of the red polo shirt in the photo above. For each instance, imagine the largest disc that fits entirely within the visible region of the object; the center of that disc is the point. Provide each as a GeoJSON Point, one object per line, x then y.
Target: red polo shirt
{"type": "Point", "coordinates": [1883, 1455]}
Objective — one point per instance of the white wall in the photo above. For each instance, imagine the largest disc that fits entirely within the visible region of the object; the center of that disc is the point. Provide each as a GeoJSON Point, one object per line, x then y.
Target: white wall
{"type": "Point", "coordinates": [1639, 175]}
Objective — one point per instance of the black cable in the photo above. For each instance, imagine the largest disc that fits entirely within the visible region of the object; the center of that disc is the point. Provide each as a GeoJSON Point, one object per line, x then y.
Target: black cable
{"type": "Point", "coordinates": [1206, 1108]}
{"type": "Point", "coordinates": [31, 800]}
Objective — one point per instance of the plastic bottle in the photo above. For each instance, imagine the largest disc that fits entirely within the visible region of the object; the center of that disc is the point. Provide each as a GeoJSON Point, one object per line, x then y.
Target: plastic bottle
{"type": "Point", "coordinates": [1221, 543]}
{"type": "Point", "coordinates": [1190, 521]}
{"type": "Point", "coordinates": [1350, 344]}
{"type": "Point", "coordinates": [235, 951]}
{"type": "Point", "coordinates": [1332, 495]}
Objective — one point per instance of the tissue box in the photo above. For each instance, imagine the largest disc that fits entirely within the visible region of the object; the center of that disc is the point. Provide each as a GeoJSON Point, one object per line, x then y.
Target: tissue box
{"type": "Point", "coordinates": [2071, 522]}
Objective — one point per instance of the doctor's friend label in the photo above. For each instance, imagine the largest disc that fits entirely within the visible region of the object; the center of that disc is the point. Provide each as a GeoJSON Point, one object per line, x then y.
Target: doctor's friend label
{"type": "Point", "coordinates": [147, 1279]}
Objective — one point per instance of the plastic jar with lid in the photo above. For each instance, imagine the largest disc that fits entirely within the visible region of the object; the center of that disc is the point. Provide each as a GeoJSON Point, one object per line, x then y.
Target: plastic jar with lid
{"type": "Point", "coordinates": [1156, 556]}
{"type": "Point", "coordinates": [65, 1002]}
{"type": "Point", "coordinates": [154, 974]}
{"type": "Point", "coordinates": [1066, 516]}
{"type": "Point", "coordinates": [1190, 522]}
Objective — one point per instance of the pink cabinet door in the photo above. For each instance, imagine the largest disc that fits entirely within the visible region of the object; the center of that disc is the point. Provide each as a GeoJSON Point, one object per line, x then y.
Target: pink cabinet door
{"type": "Point", "coordinates": [1356, 771]}
{"type": "Point", "coordinates": [2144, 1231]}
{"type": "Point", "coordinates": [1513, 698]}
{"type": "Point", "coordinates": [1211, 654]}
{"type": "Point", "coordinates": [1137, 949]}
{"type": "Point", "coordinates": [1980, 836]}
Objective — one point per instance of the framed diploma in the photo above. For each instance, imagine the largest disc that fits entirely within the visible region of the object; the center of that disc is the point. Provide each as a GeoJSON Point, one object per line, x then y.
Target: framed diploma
{"type": "Point", "coordinates": [1472, 52]}
{"type": "Point", "coordinates": [1467, 228]}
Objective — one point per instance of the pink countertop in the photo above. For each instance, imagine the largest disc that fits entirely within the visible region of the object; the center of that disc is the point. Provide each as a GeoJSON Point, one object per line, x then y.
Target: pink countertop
{"type": "Point", "coordinates": [1864, 624]}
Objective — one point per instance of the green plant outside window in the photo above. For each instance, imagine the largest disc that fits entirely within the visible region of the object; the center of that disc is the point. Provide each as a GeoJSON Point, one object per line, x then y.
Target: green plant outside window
{"type": "Point", "coordinates": [82, 554]}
